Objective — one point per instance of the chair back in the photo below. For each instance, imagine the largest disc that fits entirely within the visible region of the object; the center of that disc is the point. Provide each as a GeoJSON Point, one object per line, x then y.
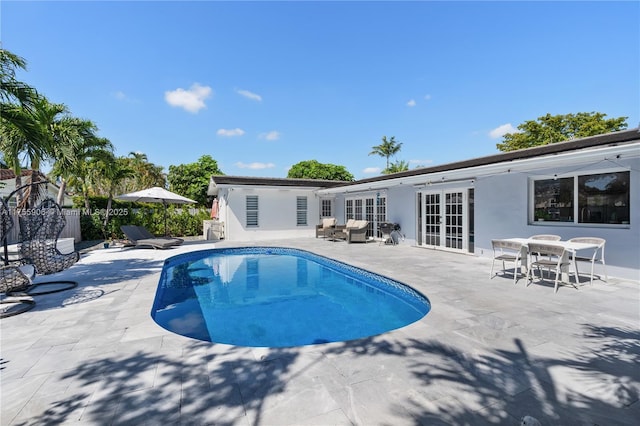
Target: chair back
{"type": "Point", "coordinates": [546, 237]}
{"type": "Point", "coordinates": [328, 222]}
{"type": "Point", "coordinates": [506, 245]}
{"type": "Point", "coordinates": [589, 240]}
{"type": "Point", "coordinates": [6, 221]}
{"type": "Point", "coordinates": [39, 230]}
{"type": "Point", "coordinates": [546, 249]}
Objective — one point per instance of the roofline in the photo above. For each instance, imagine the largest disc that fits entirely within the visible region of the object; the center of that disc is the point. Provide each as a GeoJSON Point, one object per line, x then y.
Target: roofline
{"type": "Point", "coordinates": [223, 180]}
{"type": "Point", "coordinates": [612, 138]}
{"type": "Point", "coordinates": [607, 139]}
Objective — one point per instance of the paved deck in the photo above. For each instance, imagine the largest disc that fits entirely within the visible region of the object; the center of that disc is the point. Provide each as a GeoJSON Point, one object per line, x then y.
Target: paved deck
{"type": "Point", "coordinates": [489, 352]}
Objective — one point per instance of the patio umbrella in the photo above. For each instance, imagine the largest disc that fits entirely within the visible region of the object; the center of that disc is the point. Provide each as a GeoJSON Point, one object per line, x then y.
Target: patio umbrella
{"type": "Point", "coordinates": [156, 195]}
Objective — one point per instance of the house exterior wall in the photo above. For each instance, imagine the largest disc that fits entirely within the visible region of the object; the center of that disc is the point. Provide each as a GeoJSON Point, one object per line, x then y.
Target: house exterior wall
{"type": "Point", "coordinates": [503, 194]}
{"type": "Point", "coordinates": [276, 213]}
{"type": "Point", "coordinates": [502, 205]}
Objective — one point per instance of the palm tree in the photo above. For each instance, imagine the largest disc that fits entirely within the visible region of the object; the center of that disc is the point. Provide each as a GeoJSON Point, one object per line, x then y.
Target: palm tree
{"type": "Point", "coordinates": [395, 167]}
{"type": "Point", "coordinates": [72, 169]}
{"type": "Point", "coordinates": [387, 148]}
{"type": "Point", "coordinates": [17, 102]}
{"type": "Point", "coordinates": [111, 171]}
{"type": "Point", "coordinates": [147, 174]}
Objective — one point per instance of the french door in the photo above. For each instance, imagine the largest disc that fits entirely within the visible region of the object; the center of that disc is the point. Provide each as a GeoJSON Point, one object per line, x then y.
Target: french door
{"type": "Point", "coordinates": [372, 209]}
{"type": "Point", "coordinates": [443, 219]}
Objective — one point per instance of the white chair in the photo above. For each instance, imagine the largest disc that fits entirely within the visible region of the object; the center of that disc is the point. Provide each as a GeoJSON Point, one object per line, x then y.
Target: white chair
{"type": "Point", "coordinates": [544, 237]}
{"type": "Point", "coordinates": [594, 257]}
{"type": "Point", "coordinates": [551, 256]}
{"type": "Point", "coordinates": [507, 251]}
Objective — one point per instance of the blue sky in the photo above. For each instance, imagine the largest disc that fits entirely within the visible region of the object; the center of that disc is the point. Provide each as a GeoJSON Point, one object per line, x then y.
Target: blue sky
{"type": "Point", "coordinates": [260, 86]}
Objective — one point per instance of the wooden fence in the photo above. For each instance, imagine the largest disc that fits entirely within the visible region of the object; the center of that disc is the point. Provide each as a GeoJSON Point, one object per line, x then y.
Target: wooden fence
{"type": "Point", "coordinates": [71, 229]}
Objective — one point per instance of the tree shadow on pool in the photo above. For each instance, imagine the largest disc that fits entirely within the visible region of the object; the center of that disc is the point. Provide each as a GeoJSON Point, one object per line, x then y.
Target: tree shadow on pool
{"type": "Point", "coordinates": [435, 383]}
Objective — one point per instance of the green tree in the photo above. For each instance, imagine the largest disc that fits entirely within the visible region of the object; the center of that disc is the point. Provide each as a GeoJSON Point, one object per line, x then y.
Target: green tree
{"type": "Point", "coordinates": [396, 166]}
{"type": "Point", "coordinates": [110, 171]}
{"type": "Point", "coordinates": [387, 149]}
{"type": "Point", "coordinates": [72, 171]}
{"type": "Point", "coordinates": [53, 139]}
{"type": "Point", "coordinates": [192, 180]}
{"type": "Point", "coordinates": [312, 169]}
{"type": "Point", "coordinates": [147, 174]}
{"type": "Point", "coordinates": [15, 96]}
{"type": "Point", "coordinates": [557, 128]}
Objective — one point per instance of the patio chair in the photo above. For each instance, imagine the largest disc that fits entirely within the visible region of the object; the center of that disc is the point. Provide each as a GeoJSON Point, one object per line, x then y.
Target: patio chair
{"type": "Point", "coordinates": [543, 237]}
{"type": "Point", "coordinates": [356, 231]}
{"type": "Point", "coordinates": [594, 257]}
{"type": "Point", "coordinates": [39, 230]}
{"type": "Point", "coordinates": [551, 257]}
{"type": "Point", "coordinates": [328, 224]}
{"type": "Point", "coordinates": [141, 237]}
{"type": "Point", "coordinates": [13, 277]}
{"type": "Point", "coordinates": [507, 251]}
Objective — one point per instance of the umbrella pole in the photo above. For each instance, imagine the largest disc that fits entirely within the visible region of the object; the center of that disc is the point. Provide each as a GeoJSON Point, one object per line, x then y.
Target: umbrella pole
{"type": "Point", "coordinates": [165, 217]}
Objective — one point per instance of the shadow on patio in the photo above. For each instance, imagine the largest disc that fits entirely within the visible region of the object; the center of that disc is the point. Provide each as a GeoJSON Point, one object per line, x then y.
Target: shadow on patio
{"type": "Point", "coordinates": [220, 385]}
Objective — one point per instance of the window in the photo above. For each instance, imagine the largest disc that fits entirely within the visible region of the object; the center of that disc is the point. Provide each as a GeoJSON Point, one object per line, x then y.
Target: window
{"type": "Point", "coordinates": [348, 209]}
{"type": "Point", "coordinates": [553, 200]}
{"type": "Point", "coordinates": [596, 198]}
{"type": "Point", "coordinates": [603, 198]}
{"type": "Point", "coordinates": [325, 208]}
{"type": "Point", "coordinates": [252, 210]}
{"type": "Point", "coordinates": [301, 211]}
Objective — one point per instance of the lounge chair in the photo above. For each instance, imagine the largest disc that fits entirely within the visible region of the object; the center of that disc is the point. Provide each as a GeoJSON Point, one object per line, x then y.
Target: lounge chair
{"type": "Point", "coordinates": [141, 237]}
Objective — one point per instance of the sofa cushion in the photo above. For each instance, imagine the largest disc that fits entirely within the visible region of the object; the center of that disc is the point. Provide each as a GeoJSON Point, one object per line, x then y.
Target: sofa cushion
{"type": "Point", "coordinates": [351, 223]}
{"type": "Point", "coordinates": [361, 224]}
{"type": "Point", "coordinates": [328, 222]}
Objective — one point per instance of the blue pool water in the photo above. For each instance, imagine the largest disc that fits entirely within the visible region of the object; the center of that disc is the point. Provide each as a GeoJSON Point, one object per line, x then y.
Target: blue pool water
{"type": "Point", "coordinates": [278, 297]}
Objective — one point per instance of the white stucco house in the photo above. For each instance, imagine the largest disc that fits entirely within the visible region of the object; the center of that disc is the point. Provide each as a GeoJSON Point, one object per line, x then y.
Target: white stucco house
{"type": "Point", "coordinates": [8, 185]}
{"type": "Point", "coordinates": [578, 188]}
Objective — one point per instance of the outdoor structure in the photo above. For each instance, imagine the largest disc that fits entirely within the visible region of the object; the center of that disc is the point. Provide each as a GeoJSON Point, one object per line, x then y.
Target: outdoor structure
{"type": "Point", "coordinates": [8, 185]}
{"type": "Point", "coordinates": [253, 209]}
{"type": "Point", "coordinates": [580, 188]}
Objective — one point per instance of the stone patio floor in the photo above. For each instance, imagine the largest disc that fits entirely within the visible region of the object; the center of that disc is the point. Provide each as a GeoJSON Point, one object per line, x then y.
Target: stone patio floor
{"type": "Point", "coordinates": [488, 352]}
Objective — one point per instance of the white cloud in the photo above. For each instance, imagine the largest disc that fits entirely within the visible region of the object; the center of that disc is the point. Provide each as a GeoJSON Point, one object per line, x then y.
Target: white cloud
{"type": "Point", "coordinates": [254, 166]}
{"type": "Point", "coordinates": [249, 95]}
{"type": "Point", "coordinates": [371, 170]}
{"type": "Point", "coordinates": [270, 136]}
{"type": "Point", "coordinates": [191, 100]}
{"type": "Point", "coordinates": [411, 103]}
{"type": "Point", "coordinates": [230, 132]}
{"type": "Point", "coordinates": [500, 131]}
{"type": "Point", "coordinates": [427, 97]}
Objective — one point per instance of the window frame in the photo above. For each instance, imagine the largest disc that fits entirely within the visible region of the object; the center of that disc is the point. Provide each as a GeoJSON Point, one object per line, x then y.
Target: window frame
{"type": "Point", "coordinates": [255, 211]}
{"type": "Point", "coordinates": [302, 213]}
{"type": "Point", "coordinates": [575, 222]}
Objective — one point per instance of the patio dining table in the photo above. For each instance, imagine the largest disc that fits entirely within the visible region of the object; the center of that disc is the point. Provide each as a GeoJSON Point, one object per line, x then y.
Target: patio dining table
{"type": "Point", "coordinates": [571, 248]}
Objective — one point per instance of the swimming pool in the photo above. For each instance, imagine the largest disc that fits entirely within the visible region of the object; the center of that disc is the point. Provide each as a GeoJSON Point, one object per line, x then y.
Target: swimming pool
{"type": "Point", "coordinates": [278, 297]}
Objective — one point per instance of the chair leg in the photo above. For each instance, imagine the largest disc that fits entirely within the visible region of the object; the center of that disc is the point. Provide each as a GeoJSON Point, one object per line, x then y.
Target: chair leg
{"type": "Point", "coordinates": [493, 261]}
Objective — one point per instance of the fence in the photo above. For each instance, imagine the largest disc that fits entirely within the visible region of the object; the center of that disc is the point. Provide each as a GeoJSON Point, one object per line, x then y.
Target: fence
{"type": "Point", "coordinates": [70, 230]}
